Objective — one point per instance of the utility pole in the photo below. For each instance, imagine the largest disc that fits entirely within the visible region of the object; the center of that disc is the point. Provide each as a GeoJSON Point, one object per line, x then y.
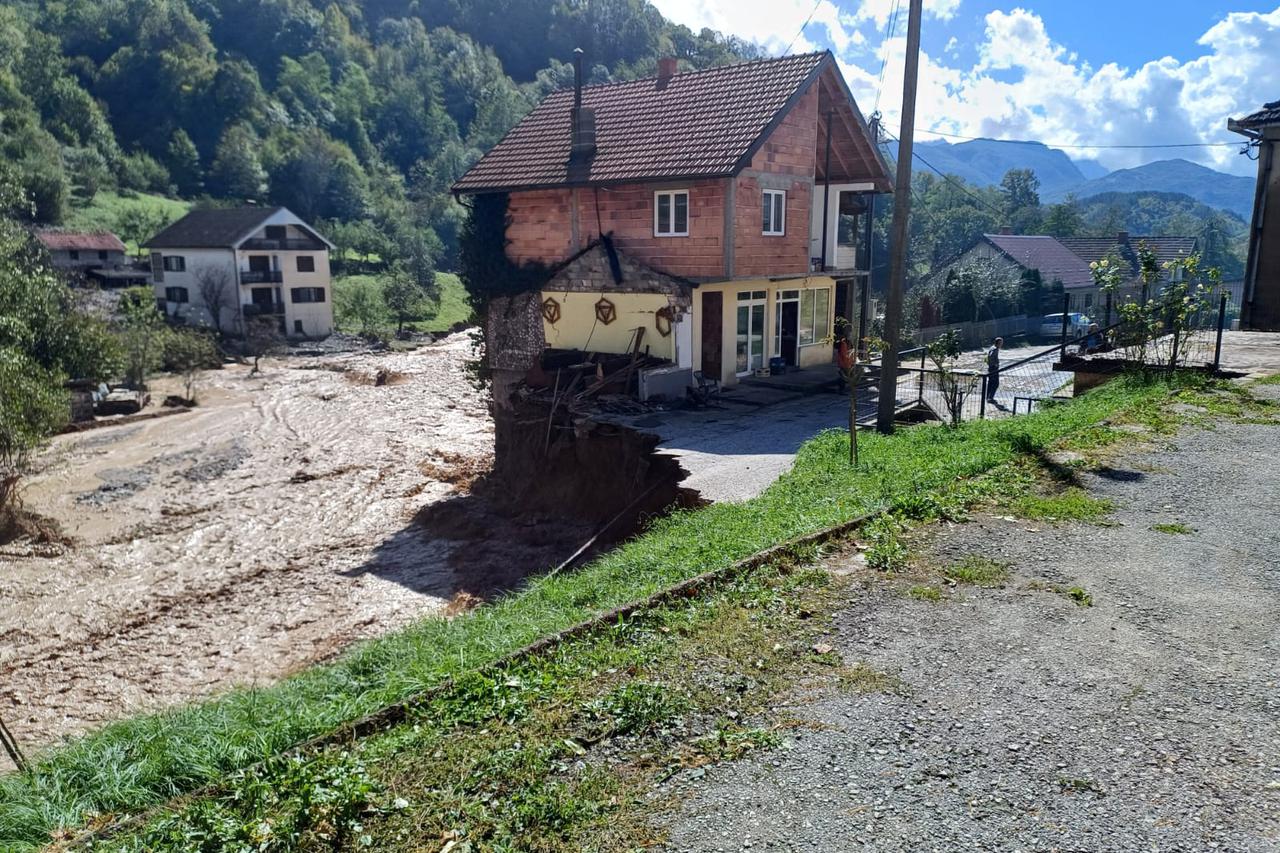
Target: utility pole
{"type": "Point", "coordinates": [901, 211]}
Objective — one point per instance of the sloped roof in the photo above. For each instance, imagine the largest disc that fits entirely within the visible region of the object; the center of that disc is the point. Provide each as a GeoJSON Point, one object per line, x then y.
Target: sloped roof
{"type": "Point", "coordinates": [1268, 115]}
{"type": "Point", "coordinates": [1126, 247]}
{"type": "Point", "coordinates": [696, 124]}
{"type": "Point", "coordinates": [1054, 261]}
{"type": "Point", "coordinates": [215, 228]}
{"type": "Point", "coordinates": [84, 241]}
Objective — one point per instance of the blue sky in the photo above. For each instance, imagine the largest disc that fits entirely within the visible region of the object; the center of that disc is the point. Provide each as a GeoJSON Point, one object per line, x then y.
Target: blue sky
{"type": "Point", "coordinates": [1068, 72]}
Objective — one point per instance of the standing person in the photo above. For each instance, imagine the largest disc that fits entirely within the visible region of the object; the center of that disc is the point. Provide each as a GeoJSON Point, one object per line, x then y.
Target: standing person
{"type": "Point", "coordinates": [993, 369]}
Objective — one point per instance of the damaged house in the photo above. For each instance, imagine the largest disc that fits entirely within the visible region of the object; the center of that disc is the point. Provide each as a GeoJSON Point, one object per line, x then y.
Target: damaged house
{"type": "Point", "coordinates": [645, 237]}
{"type": "Point", "coordinates": [709, 219]}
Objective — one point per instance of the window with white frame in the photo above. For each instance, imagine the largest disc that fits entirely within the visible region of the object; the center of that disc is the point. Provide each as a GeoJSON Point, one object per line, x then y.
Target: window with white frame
{"type": "Point", "coordinates": [775, 212]}
{"type": "Point", "coordinates": [671, 213]}
{"type": "Point", "coordinates": [815, 316]}
{"type": "Point", "coordinates": [175, 263]}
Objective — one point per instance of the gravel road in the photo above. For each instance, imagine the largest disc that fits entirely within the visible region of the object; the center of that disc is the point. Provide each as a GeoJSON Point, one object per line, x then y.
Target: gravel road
{"type": "Point", "coordinates": [1149, 721]}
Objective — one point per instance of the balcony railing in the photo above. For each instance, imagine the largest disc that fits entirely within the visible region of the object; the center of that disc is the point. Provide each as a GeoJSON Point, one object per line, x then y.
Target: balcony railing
{"type": "Point", "coordinates": [261, 276]}
{"type": "Point", "coordinates": [292, 244]}
{"type": "Point", "coordinates": [263, 309]}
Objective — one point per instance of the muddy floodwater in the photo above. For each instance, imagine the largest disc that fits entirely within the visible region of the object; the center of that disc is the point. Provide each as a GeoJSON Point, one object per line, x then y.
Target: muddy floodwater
{"type": "Point", "coordinates": [264, 530]}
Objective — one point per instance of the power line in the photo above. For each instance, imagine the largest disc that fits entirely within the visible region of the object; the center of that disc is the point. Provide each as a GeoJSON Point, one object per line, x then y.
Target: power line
{"type": "Point", "coordinates": [1089, 147]}
{"type": "Point", "coordinates": [890, 25]}
{"type": "Point", "coordinates": [800, 31]}
{"type": "Point", "coordinates": [978, 199]}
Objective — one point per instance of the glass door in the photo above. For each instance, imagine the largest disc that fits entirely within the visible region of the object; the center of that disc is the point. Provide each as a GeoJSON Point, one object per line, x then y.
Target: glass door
{"type": "Point", "coordinates": [750, 331]}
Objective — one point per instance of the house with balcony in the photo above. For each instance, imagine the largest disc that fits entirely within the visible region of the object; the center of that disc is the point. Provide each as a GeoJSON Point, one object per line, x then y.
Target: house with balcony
{"type": "Point", "coordinates": [234, 266]}
{"type": "Point", "coordinates": [711, 218]}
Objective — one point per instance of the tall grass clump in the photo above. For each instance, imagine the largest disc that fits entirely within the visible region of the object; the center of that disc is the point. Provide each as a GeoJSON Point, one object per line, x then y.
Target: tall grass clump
{"type": "Point", "coordinates": [148, 759]}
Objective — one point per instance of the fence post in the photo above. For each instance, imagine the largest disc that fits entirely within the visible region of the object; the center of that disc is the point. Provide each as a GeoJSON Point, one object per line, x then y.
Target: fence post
{"type": "Point", "coordinates": [1066, 317]}
{"type": "Point", "coordinates": [924, 351]}
{"type": "Point", "coordinates": [863, 352]}
{"type": "Point", "coordinates": [982, 403]}
{"type": "Point", "coordinates": [1222, 321]}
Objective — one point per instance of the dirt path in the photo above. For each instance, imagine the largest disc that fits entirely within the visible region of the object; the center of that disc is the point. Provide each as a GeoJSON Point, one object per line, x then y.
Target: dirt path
{"type": "Point", "coordinates": [1149, 721]}
{"type": "Point", "coordinates": [261, 532]}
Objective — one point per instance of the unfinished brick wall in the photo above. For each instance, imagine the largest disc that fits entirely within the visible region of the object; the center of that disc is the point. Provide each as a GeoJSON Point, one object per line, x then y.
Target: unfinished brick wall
{"type": "Point", "coordinates": [789, 152]}
{"type": "Point", "coordinates": [542, 226]}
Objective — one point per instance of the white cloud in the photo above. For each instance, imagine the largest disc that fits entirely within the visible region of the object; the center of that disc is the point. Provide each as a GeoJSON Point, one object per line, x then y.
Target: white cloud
{"type": "Point", "coordinates": [772, 23]}
{"type": "Point", "coordinates": [878, 11]}
{"type": "Point", "coordinates": [1026, 86]}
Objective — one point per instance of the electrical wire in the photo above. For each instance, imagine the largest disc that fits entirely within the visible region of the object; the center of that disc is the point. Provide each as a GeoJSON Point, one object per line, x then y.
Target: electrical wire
{"type": "Point", "coordinates": [1077, 146]}
{"type": "Point", "coordinates": [890, 25]}
{"type": "Point", "coordinates": [800, 31]}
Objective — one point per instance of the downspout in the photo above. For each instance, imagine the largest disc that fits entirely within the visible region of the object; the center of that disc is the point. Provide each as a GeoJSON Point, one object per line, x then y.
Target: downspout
{"type": "Point", "coordinates": [826, 194]}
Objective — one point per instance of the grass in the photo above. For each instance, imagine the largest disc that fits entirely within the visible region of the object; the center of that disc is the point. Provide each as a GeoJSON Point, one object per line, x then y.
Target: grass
{"type": "Point", "coordinates": [1073, 504]}
{"type": "Point", "coordinates": [925, 593]}
{"type": "Point", "coordinates": [978, 571]}
{"type": "Point", "coordinates": [1174, 529]}
{"type": "Point", "coordinates": [105, 209]}
{"type": "Point", "coordinates": [149, 759]}
{"type": "Point", "coordinates": [450, 308]}
{"type": "Point", "coordinates": [553, 754]}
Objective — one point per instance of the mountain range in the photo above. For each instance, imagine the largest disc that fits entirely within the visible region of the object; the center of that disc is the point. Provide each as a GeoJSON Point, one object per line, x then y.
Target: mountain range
{"type": "Point", "coordinates": [984, 162]}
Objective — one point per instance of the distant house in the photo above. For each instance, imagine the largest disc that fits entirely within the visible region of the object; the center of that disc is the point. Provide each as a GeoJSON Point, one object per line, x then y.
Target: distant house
{"type": "Point", "coordinates": [716, 211]}
{"type": "Point", "coordinates": [80, 251]}
{"type": "Point", "coordinates": [241, 264]}
{"type": "Point", "coordinates": [1260, 308]}
{"type": "Point", "coordinates": [1066, 261]}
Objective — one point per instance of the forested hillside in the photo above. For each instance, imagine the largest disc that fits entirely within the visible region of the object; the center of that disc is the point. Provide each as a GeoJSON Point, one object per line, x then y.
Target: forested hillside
{"type": "Point", "coordinates": [351, 112]}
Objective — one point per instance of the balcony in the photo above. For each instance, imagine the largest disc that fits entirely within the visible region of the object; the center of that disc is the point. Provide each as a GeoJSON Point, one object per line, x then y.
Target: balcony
{"type": "Point", "coordinates": [261, 276]}
{"type": "Point", "coordinates": [263, 309]}
{"type": "Point", "coordinates": [292, 244]}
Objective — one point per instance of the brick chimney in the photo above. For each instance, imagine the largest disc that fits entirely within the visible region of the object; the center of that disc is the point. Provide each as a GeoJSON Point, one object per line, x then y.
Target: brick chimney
{"type": "Point", "coordinates": [666, 70]}
{"type": "Point", "coordinates": [1123, 238]}
{"type": "Point", "coordinates": [1006, 230]}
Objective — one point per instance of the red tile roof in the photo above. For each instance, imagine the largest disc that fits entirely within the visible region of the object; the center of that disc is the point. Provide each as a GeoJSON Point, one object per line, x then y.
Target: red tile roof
{"type": "Point", "coordinates": [83, 241]}
{"type": "Point", "coordinates": [1267, 116]}
{"type": "Point", "coordinates": [1054, 261]}
{"type": "Point", "coordinates": [698, 124]}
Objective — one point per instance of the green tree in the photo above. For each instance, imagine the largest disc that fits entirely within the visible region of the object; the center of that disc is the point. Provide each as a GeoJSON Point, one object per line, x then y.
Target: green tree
{"type": "Point", "coordinates": [237, 169]}
{"type": "Point", "coordinates": [143, 331]}
{"type": "Point", "coordinates": [184, 163]}
{"type": "Point", "coordinates": [187, 352]}
{"type": "Point", "coordinates": [1020, 191]}
{"type": "Point", "coordinates": [1063, 219]}
{"type": "Point", "coordinates": [139, 223]}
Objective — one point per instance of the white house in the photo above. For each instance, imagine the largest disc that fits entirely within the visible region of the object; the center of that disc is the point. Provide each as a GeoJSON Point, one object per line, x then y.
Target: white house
{"type": "Point", "coordinates": [233, 265]}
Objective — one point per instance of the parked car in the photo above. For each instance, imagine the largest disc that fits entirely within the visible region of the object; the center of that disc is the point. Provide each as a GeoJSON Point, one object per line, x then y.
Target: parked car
{"type": "Point", "coordinates": [1051, 326]}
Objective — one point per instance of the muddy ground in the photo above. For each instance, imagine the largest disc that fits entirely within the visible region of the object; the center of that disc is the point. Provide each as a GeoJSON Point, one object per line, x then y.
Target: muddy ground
{"type": "Point", "coordinates": [288, 515]}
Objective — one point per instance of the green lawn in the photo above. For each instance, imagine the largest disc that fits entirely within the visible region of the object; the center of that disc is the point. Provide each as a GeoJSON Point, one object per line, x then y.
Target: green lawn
{"type": "Point", "coordinates": [106, 207]}
{"type": "Point", "coordinates": [149, 759]}
{"type": "Point", "coordinates": [450, 308]}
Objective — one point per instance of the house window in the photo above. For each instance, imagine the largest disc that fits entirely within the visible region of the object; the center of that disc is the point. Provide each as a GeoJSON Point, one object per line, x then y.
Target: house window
{"type": "Point", "coordinates": [175, 263]}
{"type": "Point", "coordinates": [102, 256]}
{"type": "Point", "coordinates": [815, 316]}
{"type": "Point", "coordinates": [75, 255]}
{"type": "Point", "coordinates": [297, 327]}
{"type": "Point", "coordinates": [306, 263]}
{"type": "Point", "coordinates": [176, 294]}
{"type": "Point", "coordinates": [306, 294]}
{"type": "Point", "coordinates": [276, 232]}
{"type": "Point", "coordinates": [671, 213]}
{"type": "Point", "coordinates": [775, 212]}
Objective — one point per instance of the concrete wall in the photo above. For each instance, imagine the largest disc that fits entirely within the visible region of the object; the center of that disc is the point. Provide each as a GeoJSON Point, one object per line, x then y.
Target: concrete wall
{"type": "Point", "coordinates": [194, 311]}
{"type": "Point", "coordinates": [578, 328]}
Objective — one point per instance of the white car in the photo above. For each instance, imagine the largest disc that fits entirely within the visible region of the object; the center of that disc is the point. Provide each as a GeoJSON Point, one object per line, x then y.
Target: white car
{"type": "Point", "coordinates": [1051, 326]}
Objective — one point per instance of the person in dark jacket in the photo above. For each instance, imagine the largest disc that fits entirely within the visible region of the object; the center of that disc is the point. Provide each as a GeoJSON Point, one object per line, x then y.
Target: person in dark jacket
{"type": "Point", "coordinates": [993, 369]}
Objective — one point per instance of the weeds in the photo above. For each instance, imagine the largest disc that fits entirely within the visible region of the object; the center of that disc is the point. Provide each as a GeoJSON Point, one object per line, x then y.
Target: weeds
{"type": "Point", "coordinates": [862, 678]}
{"type": "Point", "coordinates": [978, 571]}
{"type": "Point", "coordinates": [1073, 504]}
{"type": "Point", "coordinates": [925, 593]}
{"type": "Point", "coordinates": [1174, 529]}
{"type": "Point", "coordinates": [885, 550]}
{"type": "Point", "coordinates": [1078, 594]}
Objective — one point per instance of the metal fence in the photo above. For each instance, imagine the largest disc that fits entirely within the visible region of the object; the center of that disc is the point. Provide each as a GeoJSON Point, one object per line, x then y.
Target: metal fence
{"type": "Point", "coordinates": [971, 391]}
